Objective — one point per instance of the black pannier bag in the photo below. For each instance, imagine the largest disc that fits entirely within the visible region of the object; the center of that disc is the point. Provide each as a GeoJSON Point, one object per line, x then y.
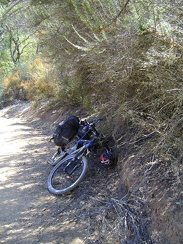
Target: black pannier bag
{"type": "Point", "coordinates": [66, 130]}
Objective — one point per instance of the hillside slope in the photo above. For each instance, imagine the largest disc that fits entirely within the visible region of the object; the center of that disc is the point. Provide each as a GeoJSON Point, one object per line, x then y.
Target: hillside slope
{"type": "Point", "coordinates": [151, 188]}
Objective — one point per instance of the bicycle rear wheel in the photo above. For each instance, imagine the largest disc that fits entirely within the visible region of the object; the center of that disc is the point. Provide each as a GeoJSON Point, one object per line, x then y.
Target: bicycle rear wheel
{"type": "Point", "coordinates": [67, 174]}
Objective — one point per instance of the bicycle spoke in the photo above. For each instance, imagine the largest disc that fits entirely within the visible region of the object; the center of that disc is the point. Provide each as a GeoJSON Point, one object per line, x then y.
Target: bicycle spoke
{"type": "Point", "coordinates": [66, 174]}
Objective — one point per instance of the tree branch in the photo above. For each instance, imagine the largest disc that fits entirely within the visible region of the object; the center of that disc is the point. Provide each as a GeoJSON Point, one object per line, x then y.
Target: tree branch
{"type": "Point", "coordinates": [121, 11]}
{"type": "Point", "coordinates": [116, 17]}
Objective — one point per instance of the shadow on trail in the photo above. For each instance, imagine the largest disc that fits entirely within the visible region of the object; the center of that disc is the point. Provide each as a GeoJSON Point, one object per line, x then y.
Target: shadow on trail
{"type": "Point", "coordinates": [30, 214]}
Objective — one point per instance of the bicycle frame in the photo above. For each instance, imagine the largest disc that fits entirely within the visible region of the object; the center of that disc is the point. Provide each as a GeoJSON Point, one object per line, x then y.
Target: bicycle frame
{"type": "Point", "coordinates": [80, 151]}
{"type": "Point", "coordinates": [80, 144]}
{"type": "Point", "coordinates": [74, 163]}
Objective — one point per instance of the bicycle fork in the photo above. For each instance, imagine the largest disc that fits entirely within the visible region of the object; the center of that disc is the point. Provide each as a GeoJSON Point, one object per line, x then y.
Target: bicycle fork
{"type": "Point", "coordinates": [73, 167]}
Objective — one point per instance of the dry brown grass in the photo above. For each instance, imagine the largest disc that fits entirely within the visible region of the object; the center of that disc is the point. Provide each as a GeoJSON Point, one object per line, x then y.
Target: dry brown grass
{"type": "Point", "coordinates": [136, 81]}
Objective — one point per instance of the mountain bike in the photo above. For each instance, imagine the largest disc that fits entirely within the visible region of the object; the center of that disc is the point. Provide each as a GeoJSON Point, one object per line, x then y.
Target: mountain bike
{"type": "Point", "coordinates": [71, 166]}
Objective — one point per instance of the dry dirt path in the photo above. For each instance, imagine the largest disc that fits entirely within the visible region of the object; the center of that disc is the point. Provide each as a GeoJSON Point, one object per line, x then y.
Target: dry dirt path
{"type": "Point", "coordinates": [28, 213]}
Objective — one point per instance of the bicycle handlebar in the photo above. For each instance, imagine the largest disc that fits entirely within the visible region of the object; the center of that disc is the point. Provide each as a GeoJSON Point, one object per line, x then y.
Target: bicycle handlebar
{"type": "Point", "coordinates": [87, 143]}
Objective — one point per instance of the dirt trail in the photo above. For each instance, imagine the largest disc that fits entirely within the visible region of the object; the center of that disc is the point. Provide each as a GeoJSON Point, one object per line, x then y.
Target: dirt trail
{"type": "Point", "coordinates": [28, 212]}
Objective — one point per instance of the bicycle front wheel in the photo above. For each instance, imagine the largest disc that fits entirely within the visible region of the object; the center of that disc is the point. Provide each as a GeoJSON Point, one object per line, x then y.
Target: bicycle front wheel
{"type": "Point", "coordinates": [67, 174]}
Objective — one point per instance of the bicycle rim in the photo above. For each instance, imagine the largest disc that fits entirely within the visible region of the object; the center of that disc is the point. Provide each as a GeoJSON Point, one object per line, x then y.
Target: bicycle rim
{"type": "Point", "coordinates": [67, 174]}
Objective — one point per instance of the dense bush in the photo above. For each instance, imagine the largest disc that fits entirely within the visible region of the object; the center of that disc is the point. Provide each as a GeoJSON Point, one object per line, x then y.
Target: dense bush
{"type": "Point", "coordinates": [121, 58]}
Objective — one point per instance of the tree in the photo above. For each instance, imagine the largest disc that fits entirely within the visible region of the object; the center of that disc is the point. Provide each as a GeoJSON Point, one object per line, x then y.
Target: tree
{"type": "Point", "coordinates": [17, 45]}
